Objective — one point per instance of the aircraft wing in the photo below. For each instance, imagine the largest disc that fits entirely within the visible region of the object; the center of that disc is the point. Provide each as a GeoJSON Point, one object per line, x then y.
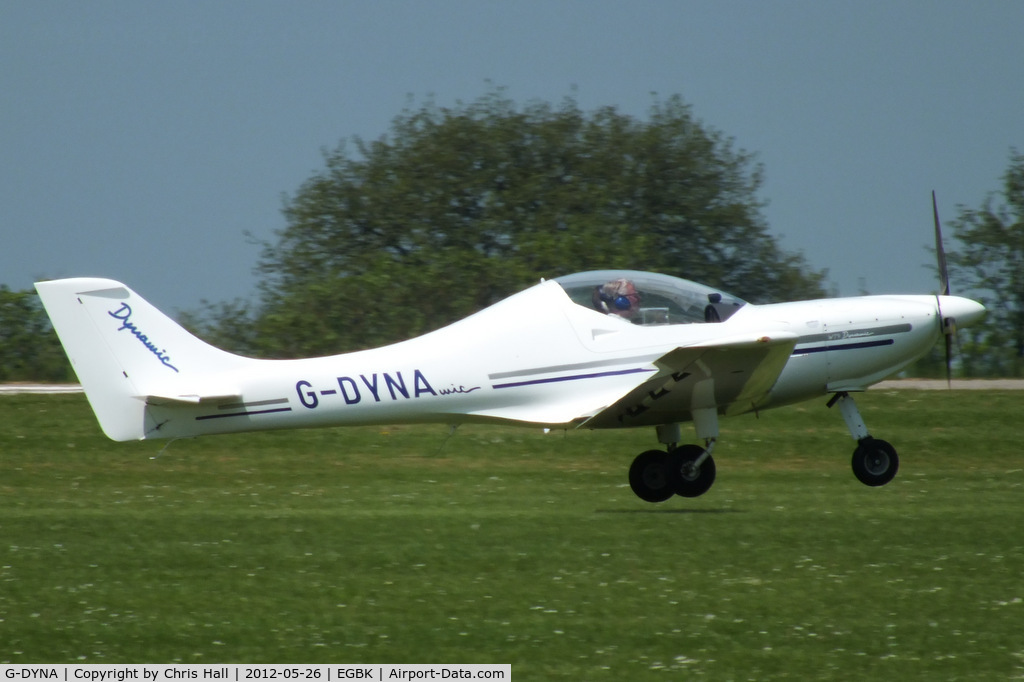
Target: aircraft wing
{"type": "Point", "coordinates": [731, 375]}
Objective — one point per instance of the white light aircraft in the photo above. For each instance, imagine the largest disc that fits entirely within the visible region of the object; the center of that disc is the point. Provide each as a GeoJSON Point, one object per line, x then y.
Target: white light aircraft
{"type": "Point", "coordinates": [593, 350]}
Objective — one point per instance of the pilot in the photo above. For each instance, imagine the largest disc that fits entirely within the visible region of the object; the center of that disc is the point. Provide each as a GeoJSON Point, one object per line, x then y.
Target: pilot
{"type": "Point", "coordinates": [619, 298]}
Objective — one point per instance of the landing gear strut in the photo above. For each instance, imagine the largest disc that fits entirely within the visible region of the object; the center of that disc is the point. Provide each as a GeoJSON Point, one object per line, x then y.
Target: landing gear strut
{"type": "Point", "coordinates": [689, 470]}
{"type": "Point", "coordinates": [875, 461]}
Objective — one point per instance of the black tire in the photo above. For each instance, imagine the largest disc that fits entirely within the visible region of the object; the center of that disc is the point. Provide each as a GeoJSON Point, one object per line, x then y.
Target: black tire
{"type": "Point", "coordinates": [686, 480]}
{"type": "Point", "coordinates": [875, 462]}
{"type": "Point", "coordinates": [648, 476]}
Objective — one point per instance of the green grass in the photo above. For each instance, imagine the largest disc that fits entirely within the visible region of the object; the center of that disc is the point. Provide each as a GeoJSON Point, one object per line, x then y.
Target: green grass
{"type": "Point", "coordinates": [507, 545]}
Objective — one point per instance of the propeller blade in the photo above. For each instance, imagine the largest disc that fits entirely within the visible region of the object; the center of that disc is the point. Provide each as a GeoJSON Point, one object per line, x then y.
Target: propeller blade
{"type": "Point", "coordinates": [949, 359]}
{"type": "Point", "coordinates": [946, 326]}
{"type": "Point", "coordinates": [940, 252]}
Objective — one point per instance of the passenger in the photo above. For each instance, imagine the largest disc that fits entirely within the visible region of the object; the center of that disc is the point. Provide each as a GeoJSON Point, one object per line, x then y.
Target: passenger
{"type": "Point", "coordinates": [618, 297]}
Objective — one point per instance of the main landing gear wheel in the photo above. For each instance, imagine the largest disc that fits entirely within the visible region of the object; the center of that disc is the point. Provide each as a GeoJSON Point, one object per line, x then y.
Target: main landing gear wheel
{"type": "Point", "coordinates": [687, 479]}
{"type": "Point", "coordinates": [656, 475]}
{"type": "Point", "coordinates": [875, 461]}
{"type": "Point", "coordinates": [649, 476]}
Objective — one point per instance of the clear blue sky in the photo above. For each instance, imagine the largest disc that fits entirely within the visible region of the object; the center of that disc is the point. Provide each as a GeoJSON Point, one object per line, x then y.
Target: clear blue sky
{"type": "Point", "coordinates": [142, 140]}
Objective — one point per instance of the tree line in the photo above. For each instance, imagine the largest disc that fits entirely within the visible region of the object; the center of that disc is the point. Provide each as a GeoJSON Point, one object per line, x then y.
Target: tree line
{"type": "Point", "coordinates": [29, 349]}
{"type": "Point", "coordinates": [456, 208]}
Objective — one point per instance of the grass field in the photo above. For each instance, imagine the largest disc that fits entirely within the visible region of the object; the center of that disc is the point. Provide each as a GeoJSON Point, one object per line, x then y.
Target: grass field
{"type": "Point", "coordinates": [507, 545]}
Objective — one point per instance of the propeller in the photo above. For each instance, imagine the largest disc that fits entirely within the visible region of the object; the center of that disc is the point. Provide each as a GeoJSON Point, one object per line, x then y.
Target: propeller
{"type": "Point", "coordinates": [947, 325]}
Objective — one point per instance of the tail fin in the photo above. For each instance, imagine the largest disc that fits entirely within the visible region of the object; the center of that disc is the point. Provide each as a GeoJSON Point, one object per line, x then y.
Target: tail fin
{"type": "Point", "coordinates": [127, 353]}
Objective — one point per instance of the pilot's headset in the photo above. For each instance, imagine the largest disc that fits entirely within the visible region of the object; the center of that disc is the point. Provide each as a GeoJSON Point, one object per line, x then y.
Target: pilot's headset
{"type": "Point", "coordinates": [615, 296]}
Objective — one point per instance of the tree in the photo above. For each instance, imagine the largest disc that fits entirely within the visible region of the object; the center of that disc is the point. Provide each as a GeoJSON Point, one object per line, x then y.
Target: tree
{"type": "Point", "coordinates": [990, 261]}
{"type": "Point", "coordinates": [29, 348]}
{"type": "Point", "coordinates": [228, 325]}
{"type": "Point", "coordinates": [457, 208]}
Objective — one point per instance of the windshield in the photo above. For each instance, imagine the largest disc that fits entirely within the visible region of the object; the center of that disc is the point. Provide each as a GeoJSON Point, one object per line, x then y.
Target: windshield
{"type": "Point", "coordinates": [648, 298]}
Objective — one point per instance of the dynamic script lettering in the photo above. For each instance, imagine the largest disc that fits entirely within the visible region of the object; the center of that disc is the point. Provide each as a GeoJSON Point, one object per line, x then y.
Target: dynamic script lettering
{"type": "Point", "coordinates": [124, 314]}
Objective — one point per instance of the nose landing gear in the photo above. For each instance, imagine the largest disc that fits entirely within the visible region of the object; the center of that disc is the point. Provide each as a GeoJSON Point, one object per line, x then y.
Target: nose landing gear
{"type": "Point", "coordinates": [875, 461]}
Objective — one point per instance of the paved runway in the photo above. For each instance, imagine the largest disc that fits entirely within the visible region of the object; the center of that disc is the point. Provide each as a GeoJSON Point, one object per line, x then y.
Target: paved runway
{"type": "Point", "coordinates": [17, 389]}
{"type": "Point", "coordinates": [958, 385]}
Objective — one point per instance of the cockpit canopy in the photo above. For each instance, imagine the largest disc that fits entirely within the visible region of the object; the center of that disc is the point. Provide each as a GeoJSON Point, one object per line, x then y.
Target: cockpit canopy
{"type": "Point", "coordinates": [647, 298]}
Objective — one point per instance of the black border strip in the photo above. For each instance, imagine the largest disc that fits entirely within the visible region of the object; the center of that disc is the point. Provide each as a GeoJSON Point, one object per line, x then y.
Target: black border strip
{"type": "Point", "coordinates": [845, 346]}
{"type": "Point", "coordinates": [574, 366]}
{"type": "Point", "coordinates": [254, 403]}
{"type": "Point", "coordinates": [242, 414]}
{"type": "Point", "coordinates": [574, 377]}
{"type": "Point", "coordinates": [851, 334]}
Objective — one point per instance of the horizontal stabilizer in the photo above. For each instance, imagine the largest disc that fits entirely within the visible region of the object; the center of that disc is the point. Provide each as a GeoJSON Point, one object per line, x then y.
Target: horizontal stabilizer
{"type": "Point", "coordinates": [192, 399]}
